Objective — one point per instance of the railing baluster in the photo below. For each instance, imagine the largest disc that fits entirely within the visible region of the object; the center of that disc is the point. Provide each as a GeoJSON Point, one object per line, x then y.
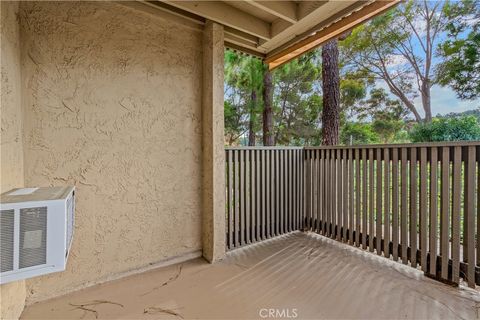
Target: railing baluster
{"type": "Point", "coordinates": [364, 198]}
{"type": "Point", "coordinates": [242, 197]}
{"type": "Point", "coordinates": [253, 211]}
{"type": "Point", "coordinates": [282, 208]}
{"type": "Point", "coordinates": [345, 194]}
{"type": "Point", "coordinates": [358, 195]}
{"type": "Point", "coordinates": [423, 208]}
{"type": "Point", "coordinates": [230, 204]}
{"type": "Point", "coordinates": [404, 208]}
{"type": "Point", "coordinates": [333, 203]}
{"type": "Point", "coordinates": [236, 155]}
{"type": "Point", "coordinates": [314, 190]}
{"type": "Point", "coordinates": [258, 196]}
{"type": "Point", "coordinates": [351, 195]}
{"type": "Point", "coordinates": [339, 195]}
{"type": "Point", "coordinates": [445, 211]}
{"type": "Point", "coordinates": [413, 207]}
{"type": "Point", "coordinates": [264, 201]}
{"type": "Point", "coordinates": [371, 222]}
{"type": "Point", "coordinates": [378, 194]}
{"type": "Point", "coordinates": [296, 194]}
{"type": "Point", "coordinates": [290, 189]}
{"type": "Point", "coordinates": [321, 203]}
{"type": "Point", "coordinates": [456, 207]}
{"type": "Point", "coordinates": [433, 210]}
{"type": "Point", "coordinates": [395, 231]}
{"type": "Point", "coordinates": [293, 175]}
{"type": "Point", "coordinates": [302, 190]}
{"type": "Point", "coordinates": [386, 205]}
{"type": "Point", "coordinates": [308, 172]}
{"type": "Point", "coordinates": [268, 191]}
{"type": "Point", "coordinates": [469, 216]}
{"type": "Point", "coordinates": [328, 190]}
{"type": "Point", "coordinates": [248, 195]}
{"type": "Point", "coordinates": [277, 207]}
{"type": "Point", "coordinates": [328, 193]}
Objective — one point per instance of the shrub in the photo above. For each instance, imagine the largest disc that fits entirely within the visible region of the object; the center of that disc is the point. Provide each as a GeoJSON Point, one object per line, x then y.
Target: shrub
{"type": "Point", "coordinates": [358, 133]}
{"type": "Point", "coordinates": [446, 129]}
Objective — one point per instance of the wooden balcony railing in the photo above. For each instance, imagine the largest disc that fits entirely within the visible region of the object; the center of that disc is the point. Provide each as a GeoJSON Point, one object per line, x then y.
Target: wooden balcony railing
{"type": "Point", "coordinates": [415, 203]}
{"type": "Point", "coordinates": [264, 188]}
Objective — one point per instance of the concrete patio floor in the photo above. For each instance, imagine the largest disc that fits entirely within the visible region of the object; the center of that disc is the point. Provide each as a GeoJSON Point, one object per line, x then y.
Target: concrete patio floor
{"type": "Point", "coordinates": [299, 274]}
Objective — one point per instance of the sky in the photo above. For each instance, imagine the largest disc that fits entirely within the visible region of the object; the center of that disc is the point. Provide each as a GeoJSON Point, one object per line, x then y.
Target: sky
{"type": "Point", "coordinates": [444, 101]}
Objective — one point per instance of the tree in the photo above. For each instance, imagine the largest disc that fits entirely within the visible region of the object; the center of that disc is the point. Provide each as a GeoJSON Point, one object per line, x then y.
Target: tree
{"type": "Point", "coordinates": [331, 93]}
{"type": "Point", "coordinates": [387, 115]}
{"type": "Point", "coordinates": [358, 133]}
{"type": "Point", "coordinates": [447, 129]}
{"type": "Point", "coordinates": [244, 79]}
{"type": "Point", "coordinates": [460, 68]}
{"type": "Point", "coordinates": [267, 108]}
{"type": "Point", "coordinates": [233, 126]}
{"type": "Point", "coordinates": [399, 49]}
{"type": "Point", "coordinates": [296, 102]}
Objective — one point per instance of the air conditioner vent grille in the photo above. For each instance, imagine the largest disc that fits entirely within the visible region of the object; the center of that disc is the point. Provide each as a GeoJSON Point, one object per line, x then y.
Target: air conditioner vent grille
{"type": "Point", "coordinates": [33, 237]}
{"type": "Point", "coordinates": [7, 222]}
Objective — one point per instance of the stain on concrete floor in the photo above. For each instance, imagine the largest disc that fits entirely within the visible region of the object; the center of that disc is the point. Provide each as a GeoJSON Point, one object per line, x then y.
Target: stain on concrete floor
{"type": "Point", "coordinates": [299, 274]}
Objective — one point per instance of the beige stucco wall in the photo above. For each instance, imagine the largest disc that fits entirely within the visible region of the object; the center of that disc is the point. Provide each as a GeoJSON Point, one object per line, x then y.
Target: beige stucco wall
{"type": "Point", "coordinates": [12, 295]}
{"type": "Point", "coordinates": [113, 106]}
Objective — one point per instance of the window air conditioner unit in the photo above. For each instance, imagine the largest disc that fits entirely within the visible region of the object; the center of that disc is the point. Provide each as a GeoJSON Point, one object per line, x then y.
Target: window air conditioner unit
{"type": "Point", "coordinates": [36, 229]}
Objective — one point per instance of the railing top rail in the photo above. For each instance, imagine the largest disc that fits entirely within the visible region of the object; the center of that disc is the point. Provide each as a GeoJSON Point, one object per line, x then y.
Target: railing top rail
{"type": "Point", "coordinates": [365, 146]}
{"type": "Point", "coordinates": [402, 145]}
{"type": "Point", "coordinates": [265, 148]}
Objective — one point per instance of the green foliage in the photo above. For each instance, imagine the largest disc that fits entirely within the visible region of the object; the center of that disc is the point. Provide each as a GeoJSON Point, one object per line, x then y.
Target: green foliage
{"type": "Point", "coordinates": [447, 129]}
{"type": "Point", "coordinates": [475, 113]}
{"type": "Point", "coordinates": [243, 82]}
{"type": "Point", "coordinates": [297, 104]}
{"type": "Point", "coordinates": [352, 91]}
{"type": "Point", "coordinates": [354, 133]}
{"type": "Point", "coordinates": [461, 51]}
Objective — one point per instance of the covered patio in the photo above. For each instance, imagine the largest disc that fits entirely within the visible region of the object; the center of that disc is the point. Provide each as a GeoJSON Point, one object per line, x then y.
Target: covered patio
{"type": "Point", "coordinates": [124, 101]}
{"type": "Point", "coordinates": [298, 275]}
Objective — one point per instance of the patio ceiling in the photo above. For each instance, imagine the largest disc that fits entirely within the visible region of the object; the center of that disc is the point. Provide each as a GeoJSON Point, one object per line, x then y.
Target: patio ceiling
{"type": "Point", "coordinates": [278, 31]}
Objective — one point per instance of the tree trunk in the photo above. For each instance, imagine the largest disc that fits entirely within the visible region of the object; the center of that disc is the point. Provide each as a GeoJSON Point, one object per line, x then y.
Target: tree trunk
{"type": "Point", "coordinates": [251, 123]}
{"type": "Point", "coordinates": [267, 109]}
{"type": "Point", "coordinates": [426, 100]}
{"type": "Point", "coordinates": [331, 93]}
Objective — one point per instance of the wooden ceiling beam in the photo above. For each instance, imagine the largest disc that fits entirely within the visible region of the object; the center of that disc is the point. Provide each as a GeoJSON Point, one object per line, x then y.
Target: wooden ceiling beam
{"type": "Point", "coordinates": [285, 10]}
{"type": "Point", "coordinates": [330, 32]}
{"type": "Point", "coordinates": [241, 48]}
{"type": "Point", "coordinates": [227, 15]}
{"type": "Point", "coordinates": [306, 8]}
{"type": "Point", "coordinates": [279, 25]}
{"type": "Point", "coordinates": [253, 40]}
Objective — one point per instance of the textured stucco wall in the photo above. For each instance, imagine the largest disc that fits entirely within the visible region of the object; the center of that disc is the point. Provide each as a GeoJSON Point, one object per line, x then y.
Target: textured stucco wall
{"type": "Point", "coordinates": [113, 106]}
{"type": "Point", "coordinates": [12, 295]}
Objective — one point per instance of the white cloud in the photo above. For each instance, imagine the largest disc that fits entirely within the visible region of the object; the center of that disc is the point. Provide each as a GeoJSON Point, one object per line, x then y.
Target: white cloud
{"type": "Point", "coordinates": [443, 100]}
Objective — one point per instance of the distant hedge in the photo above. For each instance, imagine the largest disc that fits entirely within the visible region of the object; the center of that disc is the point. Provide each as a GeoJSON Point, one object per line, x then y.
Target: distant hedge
{"type": "Point", "coordinates": [446, 129]}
